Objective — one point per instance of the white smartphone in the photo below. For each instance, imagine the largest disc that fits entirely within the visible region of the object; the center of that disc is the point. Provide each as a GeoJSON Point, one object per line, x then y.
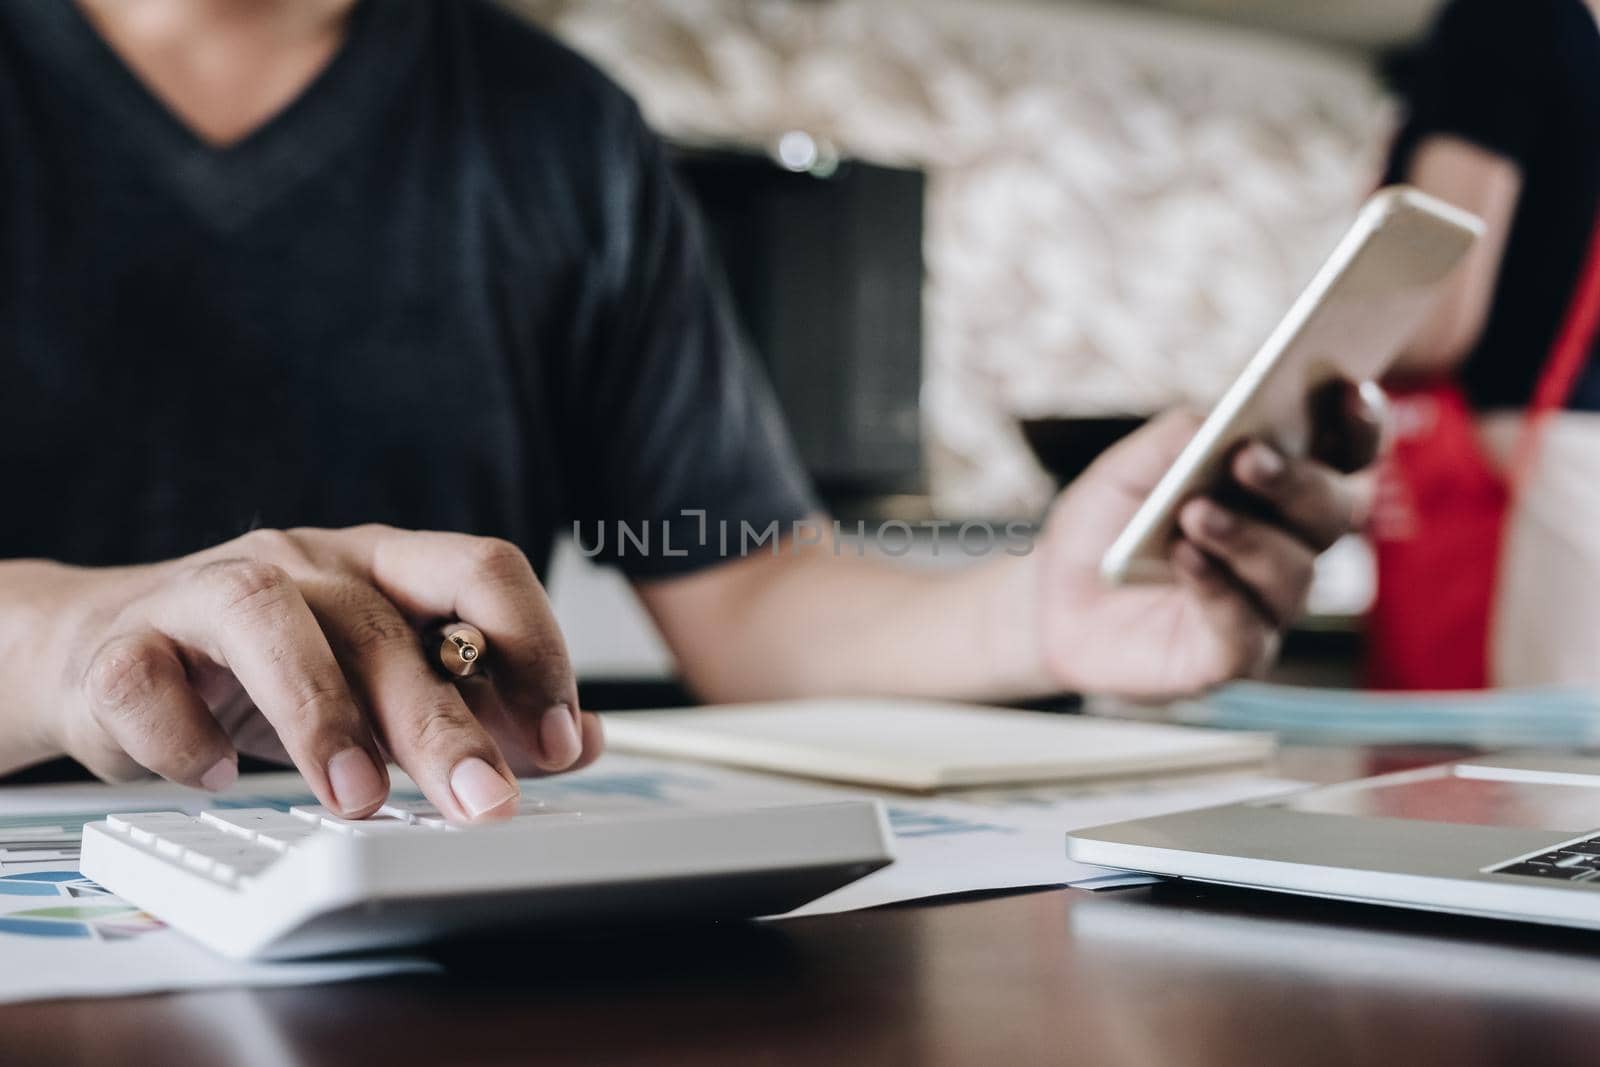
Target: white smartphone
{"type": "Point", "coordinates": [1365, 303]}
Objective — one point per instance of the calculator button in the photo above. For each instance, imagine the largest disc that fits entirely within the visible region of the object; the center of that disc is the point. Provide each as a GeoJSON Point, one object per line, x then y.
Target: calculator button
{"type": "Point", "coordinates": [151, 819]}
{"type": "Point", "coordinates": [143, 827]}
{"type": "Point", "coordinates": [198, 861]}
{"type": "Point", "coordinates": [288, 837]}
{"type": "Point", "coordinates": [378, 824]}
{"type": "Point", "coordinates": [239, 868]}
{"type": "Point", "coordinates": [408, 810]}
{"type": "Point", "coordinates": [247, 822]}
{"type": "Point", "coordinates": [317, 815]}
{"type": "Point", "coordinates": [545, 816]}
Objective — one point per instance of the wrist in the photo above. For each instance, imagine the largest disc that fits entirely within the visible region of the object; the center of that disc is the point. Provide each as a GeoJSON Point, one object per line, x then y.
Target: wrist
{"type": "Point", "coordinates": [36, 637]}
{"type": "Point", "coordinates": [1012, 627]}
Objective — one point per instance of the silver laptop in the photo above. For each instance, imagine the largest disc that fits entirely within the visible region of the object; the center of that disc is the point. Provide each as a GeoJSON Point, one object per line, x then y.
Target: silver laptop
{"type": "Point", "coordinates": [1513, 836]}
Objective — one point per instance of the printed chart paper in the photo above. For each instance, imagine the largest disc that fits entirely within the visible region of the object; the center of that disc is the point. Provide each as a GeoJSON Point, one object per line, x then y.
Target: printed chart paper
{"type": "Point", "coordinates": [62, 935]}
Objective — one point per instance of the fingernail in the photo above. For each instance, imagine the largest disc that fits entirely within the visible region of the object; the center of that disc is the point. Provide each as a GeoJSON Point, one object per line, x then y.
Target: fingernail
{"type": "Point", "coordinates": [1265, 463]}
{"type": "Point", "coordinates": [1217, 522]}
{"type": "Point", "coordinates": [479, 788]}
{"type": "Point", "coordinates": [560, 735]}
{"type": "Point", "coordinates": [356, 781]}
{"type": "Point", "coordinates": [222, 774]}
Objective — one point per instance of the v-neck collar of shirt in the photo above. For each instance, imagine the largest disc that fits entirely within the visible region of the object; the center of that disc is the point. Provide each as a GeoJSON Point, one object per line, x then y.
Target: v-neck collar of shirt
{"type": "Point", "coordinates": [229, 184]}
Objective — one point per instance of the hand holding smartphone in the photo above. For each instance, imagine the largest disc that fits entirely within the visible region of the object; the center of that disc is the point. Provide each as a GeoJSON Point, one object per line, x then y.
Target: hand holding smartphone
{"type": "Point", "coordinates": [1368, 299]}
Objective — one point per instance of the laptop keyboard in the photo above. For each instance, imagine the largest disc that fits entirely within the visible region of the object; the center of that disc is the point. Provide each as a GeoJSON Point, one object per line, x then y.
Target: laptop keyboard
{"type": "Point", "coordinates": [1577, 861]}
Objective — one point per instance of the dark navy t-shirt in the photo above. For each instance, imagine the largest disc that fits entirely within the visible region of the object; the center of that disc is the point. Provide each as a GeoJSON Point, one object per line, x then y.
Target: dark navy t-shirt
{"type": "Point", "coordinates": [451, 286]}
{"type": "Point", "coordinates": [1520, 78]}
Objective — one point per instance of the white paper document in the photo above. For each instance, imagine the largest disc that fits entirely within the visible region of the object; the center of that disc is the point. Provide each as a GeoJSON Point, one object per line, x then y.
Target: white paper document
{"type": "Point", "coordinates": [1017, 839]}
{"type": "Point", "coordinates": [985, 840]}
{"type": "Point", "coordinates": [63, 936]}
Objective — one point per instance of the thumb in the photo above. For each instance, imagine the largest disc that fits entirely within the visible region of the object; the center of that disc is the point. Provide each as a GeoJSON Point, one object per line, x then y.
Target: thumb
{"type": "Point", "coordinates": [1134, 464]}
{"type": "Point", "coordinates": [1091, 511]}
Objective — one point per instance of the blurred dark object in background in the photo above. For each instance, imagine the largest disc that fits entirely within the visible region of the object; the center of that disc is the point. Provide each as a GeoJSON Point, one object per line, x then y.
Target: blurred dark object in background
{"type": "Point", "coordinates": [824, 260]}
{"type": "Point", "coordinates": [1066, 446]}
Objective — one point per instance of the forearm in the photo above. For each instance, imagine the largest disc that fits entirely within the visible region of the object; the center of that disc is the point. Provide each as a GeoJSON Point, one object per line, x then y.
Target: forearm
{"type": "Point", "coordinates": [807, 622]}
{"type": "Point", "coordinates": [817, 623]}
{"type": "Point", "coordinates": [1489, 186]}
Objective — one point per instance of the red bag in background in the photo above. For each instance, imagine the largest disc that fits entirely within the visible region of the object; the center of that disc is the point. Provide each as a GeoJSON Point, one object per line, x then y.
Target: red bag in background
{"type": "Point", "coordinates": [1440, 516]}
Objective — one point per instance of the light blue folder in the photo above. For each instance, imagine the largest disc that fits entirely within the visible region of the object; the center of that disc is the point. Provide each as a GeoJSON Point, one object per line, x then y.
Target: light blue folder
{"type": "Point", "coordinates": [1553, 718]}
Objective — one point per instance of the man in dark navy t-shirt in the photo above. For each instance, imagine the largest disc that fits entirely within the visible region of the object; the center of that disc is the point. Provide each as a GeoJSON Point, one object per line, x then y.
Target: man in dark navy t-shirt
{"type": "Point", "coordinates": [285, 285]}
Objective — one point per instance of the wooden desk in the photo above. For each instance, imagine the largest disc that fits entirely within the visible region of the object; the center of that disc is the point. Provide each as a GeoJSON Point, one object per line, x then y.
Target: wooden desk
{"type": "Point", "coordinates": [1174, 974]}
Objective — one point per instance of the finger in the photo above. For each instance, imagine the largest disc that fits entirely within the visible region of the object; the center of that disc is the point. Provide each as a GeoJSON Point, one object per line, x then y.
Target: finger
{"type": "Point", "coordinates": [420, 717]}
{"type": "Point", "coordinates": [1317, 503]}
{"type": "Point", "coordinates": [139, 694]}
{"type": "Point", "coordinates": [490, 584]}
{"type": "Point", "coordinates": [251, 618]}
{"type": "Point", "coordinates": [1236, 640]}
{"type": "Point", "coordinates": [1097, 505]}
{"type": "Point", "coordinates": [594, 741]}
{"type": "Point", "coordinates": [487, 707]}
{"type": "Point", "coordinates": [1137, 462]}
{"type": "Point", "coordinates": [1273, 567]}
{"type": "Point", "coordinates": [1348, 423]}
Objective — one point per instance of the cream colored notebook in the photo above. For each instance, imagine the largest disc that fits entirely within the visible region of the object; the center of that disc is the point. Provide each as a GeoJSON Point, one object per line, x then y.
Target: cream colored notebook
{"type": "Point", "coordinates": [921, 745]}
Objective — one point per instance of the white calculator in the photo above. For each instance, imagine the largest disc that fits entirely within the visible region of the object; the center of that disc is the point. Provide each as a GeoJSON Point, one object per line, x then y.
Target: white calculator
{"type": "Point", "coordinates": [270, 884]}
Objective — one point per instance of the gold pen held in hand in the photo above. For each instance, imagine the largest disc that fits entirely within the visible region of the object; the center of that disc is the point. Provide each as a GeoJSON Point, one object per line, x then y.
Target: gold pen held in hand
{"type": "Point", "coordinates": [457, 648]}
